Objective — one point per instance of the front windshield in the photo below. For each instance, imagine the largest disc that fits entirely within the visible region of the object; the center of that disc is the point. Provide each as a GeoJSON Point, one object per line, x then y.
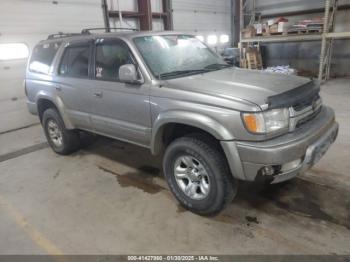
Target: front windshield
{"type": "Point", "coordinates": [170, 56]}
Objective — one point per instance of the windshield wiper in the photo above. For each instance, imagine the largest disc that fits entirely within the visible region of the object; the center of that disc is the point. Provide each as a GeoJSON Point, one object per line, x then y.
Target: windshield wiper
{"type": "Point", "coordinates": [216, 66]}
{"type": "Point", "coordinates": [182, 72]}
{"type": "Point", "coordinates": [206, 69]}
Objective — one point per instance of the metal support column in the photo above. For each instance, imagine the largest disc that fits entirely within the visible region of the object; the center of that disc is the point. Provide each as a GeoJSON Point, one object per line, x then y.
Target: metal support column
{"type": "Point", "coordinates": [331, 7]}
{"type": "Point", "coordinates": [105, 15]}
{"type": "Point", "coordinates": [146, 17]}
{"type": "Point", "coordinates": [235, 22]}
{"type": "Point", "coordinates": [168, 18]}
{"type": "Point", "coordinates": [324, 40]}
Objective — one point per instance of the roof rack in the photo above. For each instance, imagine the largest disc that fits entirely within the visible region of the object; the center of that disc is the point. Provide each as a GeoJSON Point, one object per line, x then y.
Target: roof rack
{"type": "Point", "coordinates": [61, 35]}
{"type": "Point", "coordinates": [87, 30]}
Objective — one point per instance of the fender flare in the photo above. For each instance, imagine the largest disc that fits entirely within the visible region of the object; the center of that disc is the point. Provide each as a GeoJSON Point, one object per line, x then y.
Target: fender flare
{"type": "Point", "coordinates": [200, 121]}
{"type": "Point", "coordinates": [57, 101]}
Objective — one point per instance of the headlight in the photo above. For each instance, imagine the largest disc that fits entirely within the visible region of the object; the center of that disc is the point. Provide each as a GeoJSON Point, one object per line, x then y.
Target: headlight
{"type": "Point", "coordinates": [266, 122]}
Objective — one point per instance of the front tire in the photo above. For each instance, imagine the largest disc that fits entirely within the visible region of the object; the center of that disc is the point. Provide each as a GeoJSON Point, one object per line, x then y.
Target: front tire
{"type": "Point", "coordinates": [198, 175]}
{"type": "Point", "coordinates": [61, 140]}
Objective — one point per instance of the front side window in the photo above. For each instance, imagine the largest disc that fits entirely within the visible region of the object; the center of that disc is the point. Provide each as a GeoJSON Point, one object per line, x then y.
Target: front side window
{"type": "Point", "coordinates": [110, 56]}
{"type": "Point", "coordinates": [42, 57]}
{"type": "Point", "coordinates": [170, 56]}
{"type": "Point", "coordinates": [75, 62]}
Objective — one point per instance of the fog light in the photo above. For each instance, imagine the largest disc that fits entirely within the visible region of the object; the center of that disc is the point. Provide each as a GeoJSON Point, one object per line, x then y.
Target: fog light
{"type": "Point", "coordinates": [291, 165]}
{"type": "Point", "coordinates": [267, 171]}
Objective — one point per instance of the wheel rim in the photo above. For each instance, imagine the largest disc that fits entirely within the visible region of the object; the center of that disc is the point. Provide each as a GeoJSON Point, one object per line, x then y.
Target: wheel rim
{"type": "Point", "coordinates": [55, 133]}
{"type": "Point", "coordinates": [191, 177]}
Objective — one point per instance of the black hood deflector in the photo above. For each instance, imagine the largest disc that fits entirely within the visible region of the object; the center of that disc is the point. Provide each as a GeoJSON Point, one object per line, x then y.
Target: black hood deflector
{"type": "Point", "coordinates": [301, 95]}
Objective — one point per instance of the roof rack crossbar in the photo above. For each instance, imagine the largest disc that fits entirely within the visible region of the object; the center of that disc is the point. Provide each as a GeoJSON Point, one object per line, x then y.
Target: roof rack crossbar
{"type": "Point", "coordinates": [61, 35]}
{"type": "Point", "coordinates": [87, 30]}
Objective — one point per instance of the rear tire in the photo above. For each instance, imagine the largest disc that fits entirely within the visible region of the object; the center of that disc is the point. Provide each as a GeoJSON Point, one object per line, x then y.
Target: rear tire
{"type": "Point", "coordinates": [198, 175]}
{"type": "Point", "coordinates": [61, 140]}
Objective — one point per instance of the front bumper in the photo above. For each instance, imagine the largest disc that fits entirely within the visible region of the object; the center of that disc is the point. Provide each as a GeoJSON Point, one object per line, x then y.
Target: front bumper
{"type": "Point", "coordinates": [307, 144]}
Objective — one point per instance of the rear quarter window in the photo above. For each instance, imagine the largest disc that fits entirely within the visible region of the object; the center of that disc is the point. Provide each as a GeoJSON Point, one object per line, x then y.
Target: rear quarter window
{"type": "Point", "coordinates": [42, 57]}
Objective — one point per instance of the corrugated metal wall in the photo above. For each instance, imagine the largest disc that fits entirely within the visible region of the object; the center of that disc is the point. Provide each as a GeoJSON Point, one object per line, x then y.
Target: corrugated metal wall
{"type": "Point", "coordinates": [28, 21]}
{"type": "Point", "coordinates": [31, 20]}
{"type": "Point", "coordinates": [203, 17]}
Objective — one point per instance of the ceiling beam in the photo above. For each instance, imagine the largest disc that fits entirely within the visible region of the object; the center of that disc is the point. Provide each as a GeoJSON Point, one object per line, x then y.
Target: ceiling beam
{"type": "Point", "coordinates": [303, 12]}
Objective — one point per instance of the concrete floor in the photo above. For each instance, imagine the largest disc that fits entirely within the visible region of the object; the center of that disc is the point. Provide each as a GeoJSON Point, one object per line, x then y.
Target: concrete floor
{"type": "Point", "coordinates": [110, 198]}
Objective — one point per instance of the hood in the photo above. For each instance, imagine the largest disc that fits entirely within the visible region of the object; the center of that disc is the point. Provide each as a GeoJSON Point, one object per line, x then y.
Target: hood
{"type": "Point", "coordinates": [234, 83]}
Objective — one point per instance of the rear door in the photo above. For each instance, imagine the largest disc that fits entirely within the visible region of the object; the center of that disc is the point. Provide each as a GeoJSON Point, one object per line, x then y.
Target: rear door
{"type": "Point", "coordinates": [121, 110]}
{"type": "Point", "coordinates": [73, 82]}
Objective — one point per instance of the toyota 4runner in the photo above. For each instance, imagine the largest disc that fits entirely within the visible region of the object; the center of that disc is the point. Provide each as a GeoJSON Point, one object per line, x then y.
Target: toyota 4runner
{"type": "Point", "coordinates": [214, 124]}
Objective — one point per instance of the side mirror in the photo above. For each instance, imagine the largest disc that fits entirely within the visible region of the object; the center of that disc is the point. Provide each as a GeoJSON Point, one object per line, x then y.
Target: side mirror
{"type": "Point", "coordinates": [128, 74]}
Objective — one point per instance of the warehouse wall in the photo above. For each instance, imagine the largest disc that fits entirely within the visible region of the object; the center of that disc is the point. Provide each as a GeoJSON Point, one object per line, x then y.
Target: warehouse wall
{"type": "Point", "coordinates": [199, 17]}
{"type": "Point", "coordinates": [203, 17]}
{"type": "Point", "coordinates": [29, 21]}
{"type": "Point", "coordinates": [305, 56]}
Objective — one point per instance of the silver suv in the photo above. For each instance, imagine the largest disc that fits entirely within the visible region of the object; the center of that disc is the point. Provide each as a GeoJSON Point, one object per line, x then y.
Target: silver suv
{"type": "Point", "coordinates": [213, 123]}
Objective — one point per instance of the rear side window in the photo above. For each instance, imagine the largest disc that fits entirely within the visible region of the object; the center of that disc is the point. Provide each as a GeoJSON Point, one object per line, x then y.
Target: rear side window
{"type": "Point", "coordinates": [42, 57]}
{"type": "Point", "coordinates": [75, 61]}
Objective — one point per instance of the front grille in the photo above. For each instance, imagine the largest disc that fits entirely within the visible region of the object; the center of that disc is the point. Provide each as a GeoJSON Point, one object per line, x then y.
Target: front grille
{"type": "Point", "coordinates": [299, 106]}
{"type": "Point", "coordinates": [308, 117]}
{"type": "Point", "coordinates": [304, 111]}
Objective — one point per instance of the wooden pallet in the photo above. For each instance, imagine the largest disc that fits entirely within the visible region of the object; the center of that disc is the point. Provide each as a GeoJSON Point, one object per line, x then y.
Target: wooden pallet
{"type": "Point", "coordinates": [304, 31]}
{"type": "Point", "coordinates": [278, 33]}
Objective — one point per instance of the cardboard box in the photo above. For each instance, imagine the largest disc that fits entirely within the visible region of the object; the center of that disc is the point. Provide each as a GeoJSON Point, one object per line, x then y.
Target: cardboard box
{"type": "Point", "coordinates": [259, 29]}
{"type": "Point", "coordinates": [270, 22]}
{"type": "Point", "coordinates": [273, 29]}
{"type": "Point", "coordinates": [266, 30]}
{"type": "Point", "coordinates": [282, 27]}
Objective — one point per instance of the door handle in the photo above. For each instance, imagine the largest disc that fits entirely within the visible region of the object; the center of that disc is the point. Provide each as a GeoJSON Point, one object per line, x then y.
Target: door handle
{"type": "Point", "coordinates": [58, 87]}
{"type": "Point", "coordinates": [98, 94]}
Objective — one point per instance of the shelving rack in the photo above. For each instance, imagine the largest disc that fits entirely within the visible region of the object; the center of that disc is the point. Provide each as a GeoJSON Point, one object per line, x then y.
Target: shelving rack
{"type": "Point", "coordinates": [327, 36]}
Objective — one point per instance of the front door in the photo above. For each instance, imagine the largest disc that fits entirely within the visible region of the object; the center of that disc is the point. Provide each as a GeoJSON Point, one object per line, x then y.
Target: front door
{"type": "Point", "coordinates": [121, 110]}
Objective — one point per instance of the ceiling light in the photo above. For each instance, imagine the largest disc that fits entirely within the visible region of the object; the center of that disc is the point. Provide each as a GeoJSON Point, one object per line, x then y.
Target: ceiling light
{"type": "Point", "coordinates": [212, 39]}
{"type": "Point", "coordinates": [224, 39]}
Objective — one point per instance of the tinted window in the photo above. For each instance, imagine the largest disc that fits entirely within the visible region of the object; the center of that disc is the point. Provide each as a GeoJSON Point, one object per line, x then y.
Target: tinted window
{"type": "Point", "coordinates": [42, 57]}
{"type": "Point", "coordinates": [75, 61]}
{"type": "Point", "coordinates": [109, 58]}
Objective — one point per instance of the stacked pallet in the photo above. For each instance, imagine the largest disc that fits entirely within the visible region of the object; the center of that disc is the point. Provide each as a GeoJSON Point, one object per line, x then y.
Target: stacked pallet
{"type": "Point", "coordinates": [308, 26]}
